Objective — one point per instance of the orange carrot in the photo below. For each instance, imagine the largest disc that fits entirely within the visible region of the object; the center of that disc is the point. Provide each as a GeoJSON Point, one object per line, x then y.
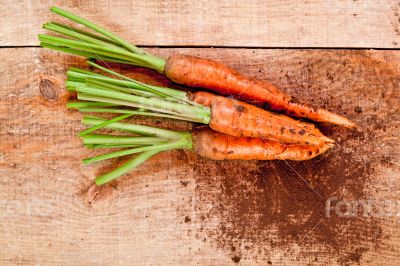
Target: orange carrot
{"type": "Point", "coordinates": [149, 141]}
{"type": "Point", "coordinates": [236, 118]}
{"type": "Point", "coordinates": [204, 73]}
{"type": "Point", "coordinates": [203, 140]}
{"type": "Point", "coordinates": [217, 146]}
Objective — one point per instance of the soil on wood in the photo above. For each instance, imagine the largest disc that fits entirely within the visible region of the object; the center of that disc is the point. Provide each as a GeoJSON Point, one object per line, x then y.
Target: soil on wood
{"type": "Point", "coordinates": [252, 208]}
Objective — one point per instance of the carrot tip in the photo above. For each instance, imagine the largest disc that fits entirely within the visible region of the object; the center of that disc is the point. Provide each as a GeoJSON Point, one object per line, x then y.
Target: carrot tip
{"type": "Point", "coordinates": [349, 124]}
{"type": "Point", "coordinates": [328, 140]}
{"type": "Point", "coordinates": [329, 117]}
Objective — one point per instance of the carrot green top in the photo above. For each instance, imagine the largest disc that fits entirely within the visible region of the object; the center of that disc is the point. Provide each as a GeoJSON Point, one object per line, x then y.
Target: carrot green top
{"type": "Point", "coordinates": [102, 45]}
{"type": "Point", "coordinates": [128, 96]}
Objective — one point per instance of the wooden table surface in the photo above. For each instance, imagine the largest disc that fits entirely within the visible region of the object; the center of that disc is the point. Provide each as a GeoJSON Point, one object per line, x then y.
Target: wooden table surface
{"type": "Point", "coordinates": [179, 208]}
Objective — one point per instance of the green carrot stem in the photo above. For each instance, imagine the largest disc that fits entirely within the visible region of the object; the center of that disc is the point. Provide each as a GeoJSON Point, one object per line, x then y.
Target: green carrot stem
{"type": "Point", "coordinates": [131, 164]}
{"type": "Point", "coordinates": [126, 82]}
{"type": "Point", "coordinates": [101, 84]}
{"type": "Point", "coordinates": [66, 30]}
{"type": "Point", "coordinates": [68, 50]}
{"type": "Point", "coordinates": [83, 71]}
{"type": "Point", "coordinates": [151, 61]}
{"type": "Point", "coordinates": [81, 104]}
{"type": "Point", "coordinates": [88, 97]}
{"type": "Point", "coordinates": [93, 48]}
{"type": "Point", "coordinates": [127, 111]}
{"type": "Point", "coordinates": [83, 53]}
{"type": "Point", "coordinates": [160, 147]}
{"type": "Point", "coordinates": [195, 112]}
{"type": "Point", "coordinates": [94, 27]}
{"type": "Point", "coordinates": [164, 90]}
{"type": "Point", "coordinates": [71, 85]}
{"type": "Point", "coordinates": [96, 127]}
{"type": "Point", "coordinates": [100, 89]}
{"type": "Point", "coordinates": [90, 53]}
{"type": "Point", "coordinates": [182, 142]}
{"type": "Point", "coordinates": [133, 128]}
{"type": "Point", "coordinates": [119, 140]}
{"type": "Point", "coordinates": [89, 34]}
{"type": "Point", "coordinates": [110, 146]}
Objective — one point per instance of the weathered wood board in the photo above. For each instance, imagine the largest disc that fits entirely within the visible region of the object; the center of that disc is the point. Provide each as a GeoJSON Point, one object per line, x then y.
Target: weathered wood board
{"type": "Point", "coordinates": [273, 23]}
{"type": "Point", "coordinates": [178, 208]}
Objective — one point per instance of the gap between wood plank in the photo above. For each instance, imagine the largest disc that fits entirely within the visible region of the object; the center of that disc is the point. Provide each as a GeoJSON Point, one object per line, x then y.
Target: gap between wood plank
{"type": "Point", "coordinates": [233, 47]}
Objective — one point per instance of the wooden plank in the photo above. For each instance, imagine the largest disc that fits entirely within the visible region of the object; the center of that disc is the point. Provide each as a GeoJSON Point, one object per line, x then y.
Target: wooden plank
{"type": "Point", "coordinates": [178, 208]}
{"type": "Point", "coordinates": [276, 23]}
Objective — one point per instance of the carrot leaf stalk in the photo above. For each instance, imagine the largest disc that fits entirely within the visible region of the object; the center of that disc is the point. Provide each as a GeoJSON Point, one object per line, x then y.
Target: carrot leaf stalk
{"type": "Point", "coordinates": [77, 76]}
{"type": "Point", "coordinates": [185, 142]}
{"type": "Point", "coordinates": [147, 142]}
{"type": "Point", "coordinates": [182, 142]}
{"type": "Point", "coordinates": [128, 166]}
{"type": "Point", "coordinates": [98, 126]}
{"type": "Point", "coordinates": [94, 27]}
{"type": "Point", "coordinates": [82, 104]}
{"type": "Point", "coordinates": [100, 139]}
{"type": "Point", "coordinates": [140, 98]}
{"type": "Point", "coordinates": [140, 112]}
{"type": "Point", "coordinates": [102, 46]}
{"type": "Point", "coordinates": [133, 128]}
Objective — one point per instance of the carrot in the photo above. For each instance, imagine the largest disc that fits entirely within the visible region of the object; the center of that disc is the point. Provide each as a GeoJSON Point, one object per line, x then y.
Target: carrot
{"type": "Point", "coordinates": [149, 141]}
{"type": "Point", "coordinates": [218, 146]}
{"type": "Point", "coordinates": [241, 119]}
{"type": "Point", "coordinates": [183, 69]}
{"type": "Point", "coordinates": [204, 73]}
{"type": "Point", "coordinates": [225, 115]}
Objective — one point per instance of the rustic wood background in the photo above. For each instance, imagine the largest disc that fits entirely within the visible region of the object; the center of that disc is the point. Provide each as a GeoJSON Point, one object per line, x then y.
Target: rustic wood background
{"type": "Point", "coordinates": [176, 209]}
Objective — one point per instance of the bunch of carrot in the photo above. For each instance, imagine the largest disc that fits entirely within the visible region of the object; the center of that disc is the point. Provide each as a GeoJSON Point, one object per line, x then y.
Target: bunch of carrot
{"type": "Point", "coordinates": [237, 130]}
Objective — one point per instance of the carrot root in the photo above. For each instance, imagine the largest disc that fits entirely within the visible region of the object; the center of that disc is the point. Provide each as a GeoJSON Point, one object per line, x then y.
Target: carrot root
{"type": "Point", "coordinates": [204, 73]}
{"type": "Point", "coordinates": [319, 115]}
{"type": "Point", "coordinates": [218, 146]}
{"type": "Point", "coordinates": [236, 118]}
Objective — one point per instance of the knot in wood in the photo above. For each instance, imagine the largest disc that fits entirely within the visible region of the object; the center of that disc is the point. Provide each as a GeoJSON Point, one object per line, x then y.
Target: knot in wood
{"type": "Point", "coordinates": [48, 90]}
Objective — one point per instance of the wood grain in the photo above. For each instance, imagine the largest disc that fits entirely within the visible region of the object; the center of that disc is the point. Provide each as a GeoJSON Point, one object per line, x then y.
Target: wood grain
{"type": "Point", "coordinates": [256, 23]}
{"type": "Point", "coordinates": [50, 213]}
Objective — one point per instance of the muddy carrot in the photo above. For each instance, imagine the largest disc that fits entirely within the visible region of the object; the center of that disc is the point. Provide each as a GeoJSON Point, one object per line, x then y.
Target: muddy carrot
{"type": "Point", "coordinates": [218, 146]}
{"type": "Point", "coordinates": [204, 73]}
{"type": "Point", "coordinates": [149, 141]}
{"type": "Point", "coordinates": [241, 119]}
{"type": "Point", "coordinates": [184, 69]}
